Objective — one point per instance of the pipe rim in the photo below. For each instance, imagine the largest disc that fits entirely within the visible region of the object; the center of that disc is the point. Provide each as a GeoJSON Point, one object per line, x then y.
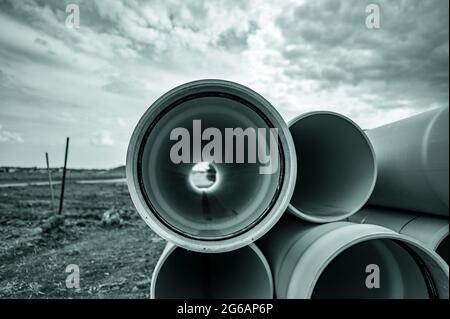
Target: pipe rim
{"type": "Point", "coordinates": [366, 233]}
{"type": "Point", "coordinates": [433, 241]}
{"type": "Point", "coordinates": [170, 248]}
{"type": "Point", "coordinates": [286, 145]}
{"type": "Point", "coordinates": [437, 249]}
{"type": "Point", "coordinates": [444, 237]}
{"type": "Point", "coordinates": [317, 219]}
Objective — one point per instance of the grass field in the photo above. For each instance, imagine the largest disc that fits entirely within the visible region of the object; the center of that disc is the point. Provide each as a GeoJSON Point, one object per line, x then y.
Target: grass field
{"type": "Point", "coordinates": [116, 255]}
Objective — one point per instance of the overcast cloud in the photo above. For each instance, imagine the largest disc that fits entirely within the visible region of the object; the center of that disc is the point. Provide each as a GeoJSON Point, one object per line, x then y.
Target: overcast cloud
{"type": "Point", "coordinates": [94, 83]}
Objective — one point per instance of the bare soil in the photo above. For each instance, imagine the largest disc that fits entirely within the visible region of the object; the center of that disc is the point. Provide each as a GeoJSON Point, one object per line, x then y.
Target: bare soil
{"type": "Point", "coordinates": [116, 255]}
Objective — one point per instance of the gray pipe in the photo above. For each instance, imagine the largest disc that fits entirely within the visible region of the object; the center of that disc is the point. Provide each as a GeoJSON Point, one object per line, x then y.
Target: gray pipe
{"type": "Point", "coordinates": [183, 274]}
{"type": "Point", "coordinates": [331, 260]}
{"type": "Point", "coordinates": [336, 169]}
{"type": "Point", "coordinates": [431, 231]}
{"type": "Point", "coordinates": [210, 205]}
{"type": "Point", "coordinates": [412, 157]}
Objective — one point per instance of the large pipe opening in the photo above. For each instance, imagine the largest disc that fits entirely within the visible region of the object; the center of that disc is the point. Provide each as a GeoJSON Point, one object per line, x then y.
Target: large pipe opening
{"type": "Point", "coordinates": [243, 273]}
{"type": "Point", "coordinates": [214, 197]}
{"type": "Point", "coordinates": [344, 260]}
{"type": "Point", "coordinates": [399, 275]}
{"type": "Point", "coordinates": [336, 169]}
{"type": "Point", "coordinates": [239, 195]}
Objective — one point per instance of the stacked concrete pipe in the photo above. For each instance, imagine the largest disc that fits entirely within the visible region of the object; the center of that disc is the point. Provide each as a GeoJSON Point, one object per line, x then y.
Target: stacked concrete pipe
{"type": "Point", "coordinates": [229, 240]}
{"type": "Point", "coordinates": [413, 158]}
{"type": "Point", "coordinates": [211, 231]}
{"type": "Point", "coordinates": [412, 194]}
{"type": "Point", "coordinates": [330, 261]}
{"type": "Point", "coordinates": [336, 168]}
{"type": "Point", "coordinates": [243, 204]}
{"type": "Point", "coordinates": [239, 274]}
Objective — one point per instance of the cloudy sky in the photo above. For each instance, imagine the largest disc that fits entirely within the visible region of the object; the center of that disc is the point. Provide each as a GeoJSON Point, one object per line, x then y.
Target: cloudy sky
{"type": "Point", "coordinates": [93, 83]}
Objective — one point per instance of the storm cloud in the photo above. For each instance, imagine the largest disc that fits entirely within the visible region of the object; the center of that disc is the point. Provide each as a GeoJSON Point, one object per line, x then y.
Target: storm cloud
{"type": "Point", "coordinates": [93, 83]}
{"type": "Point", "coordinates": [403, 64]}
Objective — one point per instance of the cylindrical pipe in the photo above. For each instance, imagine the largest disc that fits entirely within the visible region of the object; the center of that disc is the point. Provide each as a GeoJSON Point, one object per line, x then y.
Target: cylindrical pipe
{"type": "Point", "coordinates": [218, 194]}
{"type": "Point", "coordinates": [183, 274]}
{"type": "Point", "coordinates": [336, 169]}
{"type": "Point", "coordinates": [412, 157]}
{"type": "Point", "coordinates": [431, 231]}
{"type": "Point", "coordinates": [337, 260]}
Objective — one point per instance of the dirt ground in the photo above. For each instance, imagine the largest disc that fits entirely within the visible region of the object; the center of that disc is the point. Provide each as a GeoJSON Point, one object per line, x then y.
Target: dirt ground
{"type": "Point", "coordinates": [100, 231]}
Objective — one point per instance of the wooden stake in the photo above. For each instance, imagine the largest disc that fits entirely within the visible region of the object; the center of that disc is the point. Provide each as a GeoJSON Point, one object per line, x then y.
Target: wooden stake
{"type": "Point", "coordinates": [50, 181]}
{"type": "Point", "coordinates": [61, 199]}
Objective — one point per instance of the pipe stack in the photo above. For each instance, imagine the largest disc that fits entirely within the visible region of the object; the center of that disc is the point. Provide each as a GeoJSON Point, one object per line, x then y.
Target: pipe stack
{"type": "Point", "coordinates": [411, 195]}
{"type": "Point", "coordinates": [252, 207]}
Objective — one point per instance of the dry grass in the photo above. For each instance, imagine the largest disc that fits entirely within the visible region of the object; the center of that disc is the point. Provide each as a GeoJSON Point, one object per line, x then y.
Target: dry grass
{"type": "Point", "coordinates": [116, 260]}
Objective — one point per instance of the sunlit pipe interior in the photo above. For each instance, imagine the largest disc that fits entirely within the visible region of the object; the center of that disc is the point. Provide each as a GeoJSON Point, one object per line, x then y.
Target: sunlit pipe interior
{"type": "Point", "coordinates": [334, 261]}
{"type": "Point", "coordinates": [430, 230]}
{"type": "Point", "coordinates": [336, 169]}
{"type": "Point", "coordinates": [183, 274]}
{"type": "Point", "coordinates": [210, 204]}
{"type": "Point", "coordinates": [413, 161]}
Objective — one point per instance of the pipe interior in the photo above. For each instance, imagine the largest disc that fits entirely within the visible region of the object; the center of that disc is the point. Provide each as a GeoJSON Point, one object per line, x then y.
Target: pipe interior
{"type": "Point", "coordinates": [399, 275]}
{"type": "Point", "coordinates": [240, 195]}
{"type": "Point", "coordinates": [236, 274]}
{"type": "Point", "coordinates": [336, 166]}
{"type": "Point", "coordinates": [442, 249]}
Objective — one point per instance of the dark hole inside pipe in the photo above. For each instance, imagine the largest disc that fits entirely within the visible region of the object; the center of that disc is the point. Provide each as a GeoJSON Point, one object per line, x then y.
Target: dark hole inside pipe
{"type": "Point", "coordinates": [347, 276]}
{"type": "Point", "coordinates": [237, 274]}
{"type": "Point", "coordinates": [443, 248]}
{"type": "Point", "coordinates": [208, 199]}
